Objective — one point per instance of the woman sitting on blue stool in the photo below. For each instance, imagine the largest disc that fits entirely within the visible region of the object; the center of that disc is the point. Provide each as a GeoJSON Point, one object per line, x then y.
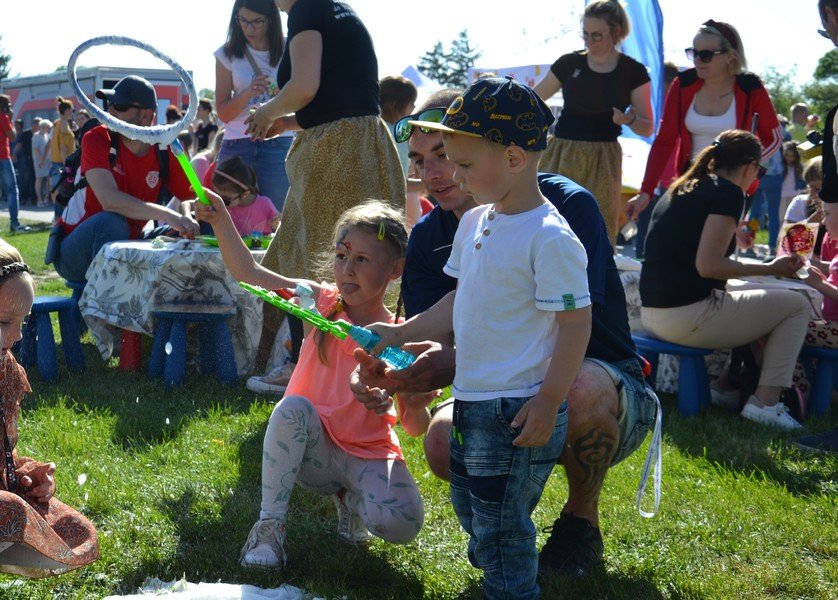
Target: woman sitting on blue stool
{"type": "Point", "coordinates": [693, 232]}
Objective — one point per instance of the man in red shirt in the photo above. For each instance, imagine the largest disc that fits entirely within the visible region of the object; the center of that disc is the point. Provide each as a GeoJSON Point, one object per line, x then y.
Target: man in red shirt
{"type": "Point", "coordinates": [121, 195]}
{"type": "Point", "coordinates": [7, 169]}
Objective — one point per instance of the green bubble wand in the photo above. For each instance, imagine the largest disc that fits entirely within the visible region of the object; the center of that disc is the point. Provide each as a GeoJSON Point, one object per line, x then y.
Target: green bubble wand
{"type": "Point", "coordinates": [366, 338]}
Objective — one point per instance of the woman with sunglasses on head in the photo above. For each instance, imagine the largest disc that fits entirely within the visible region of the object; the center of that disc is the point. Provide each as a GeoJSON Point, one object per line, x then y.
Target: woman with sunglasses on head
{"type": "Point", "coordinates": [692, 234]}
{"type": "Point", "coordinates": [245, 78]}
{"type": "Point", "coordinates": [603, 90]}
{"type": "Point", "coordinates": [716, 95]}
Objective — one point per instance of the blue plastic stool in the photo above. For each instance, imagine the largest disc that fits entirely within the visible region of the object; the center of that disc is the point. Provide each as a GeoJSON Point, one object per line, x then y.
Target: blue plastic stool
{"type": "Point", "coordinates": [216, 347]}
{"type": "Point", "coordinates": [823, 382]}
{"type": "Point", "coordinates": [78, 288]}
{"type": "Point", "coordinates": [693, 385]}
{"type": "Point", "coordinates": [37, 345]}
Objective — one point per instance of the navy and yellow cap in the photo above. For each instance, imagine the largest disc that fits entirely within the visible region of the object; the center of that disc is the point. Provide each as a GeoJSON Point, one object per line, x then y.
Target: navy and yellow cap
{"type": "Point", "coordinates": [500, 110]}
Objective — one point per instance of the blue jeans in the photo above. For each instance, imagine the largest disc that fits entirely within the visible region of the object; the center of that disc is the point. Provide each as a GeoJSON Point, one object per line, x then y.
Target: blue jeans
{"type": "Point", "coordinates": [494, 489]}
{"type": "Point", "coordinates": [268, 158]}
{"type": "Point", "coordinates": [78, 249]}
{"type": "Point", "coordinates": [768, 195]}
{"type": "Point", "coordinates": [9, 183]}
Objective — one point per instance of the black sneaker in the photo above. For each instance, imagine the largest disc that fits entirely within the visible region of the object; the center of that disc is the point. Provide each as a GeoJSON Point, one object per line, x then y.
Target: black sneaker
{"type": "Point", "coordinates": [823, 442]}
{"type": "Point", "coordinates": [573, 549]}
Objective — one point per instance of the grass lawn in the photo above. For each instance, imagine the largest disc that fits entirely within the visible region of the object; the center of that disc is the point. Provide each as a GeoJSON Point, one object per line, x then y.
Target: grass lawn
{"type": "Point", "coordinates": [172, 483]}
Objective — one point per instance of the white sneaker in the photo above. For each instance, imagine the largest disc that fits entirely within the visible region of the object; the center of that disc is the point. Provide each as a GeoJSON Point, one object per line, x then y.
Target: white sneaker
{"type": "Point", "coordinates": [265, 545]}
{"type": "Point", "coordinates": [776, 415]}
{"type": "Point", "coordinates": [351, 527]}
{"type": "Point", "coordinates": [726, 400]}
{"type": "Point", "coordinates": [273, 382]}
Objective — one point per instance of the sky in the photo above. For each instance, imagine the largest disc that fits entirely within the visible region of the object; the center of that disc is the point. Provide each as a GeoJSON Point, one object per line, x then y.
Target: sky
{"type": "Point", "coordinates": [775, 33]}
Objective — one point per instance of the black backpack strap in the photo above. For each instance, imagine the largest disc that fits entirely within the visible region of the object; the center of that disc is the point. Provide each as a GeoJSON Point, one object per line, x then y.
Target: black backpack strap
{"type": "Point", "coordinates": [163, 195]}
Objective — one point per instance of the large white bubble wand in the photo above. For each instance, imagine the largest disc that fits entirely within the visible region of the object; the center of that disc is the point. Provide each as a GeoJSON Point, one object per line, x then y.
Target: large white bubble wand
{"type": "Point", "coordinates": [165, 135]}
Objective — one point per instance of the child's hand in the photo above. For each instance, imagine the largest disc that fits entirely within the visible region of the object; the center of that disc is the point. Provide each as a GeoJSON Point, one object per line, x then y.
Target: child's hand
{"type": "Point", "coordinates": [37, 480]}
{"type": "Point", "coordinates": [390, 336]}
{"type": "Point", "coordinates": [416, 402]}
{"type": "Point", "coordinates": [815, 277]}
{"type": "Point", "coordinates": [368, 383]}
{"type": "Point", "coordinates": [537, 419]}
{"type": "Point", "coordinates": [210, 213]}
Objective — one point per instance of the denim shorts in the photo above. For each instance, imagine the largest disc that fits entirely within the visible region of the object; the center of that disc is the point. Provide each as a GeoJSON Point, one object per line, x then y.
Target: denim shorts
{"type": "Point", "coordinates": [638, 405]}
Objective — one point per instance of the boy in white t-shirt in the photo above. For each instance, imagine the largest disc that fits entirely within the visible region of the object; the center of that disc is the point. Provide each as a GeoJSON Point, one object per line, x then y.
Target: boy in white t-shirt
{"type": "Point", "coordinates": [521, 320]}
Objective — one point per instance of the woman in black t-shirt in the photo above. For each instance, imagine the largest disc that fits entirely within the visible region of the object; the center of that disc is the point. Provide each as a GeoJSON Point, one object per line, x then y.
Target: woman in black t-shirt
{"type": "Point", "coordinates": [603, 90]}
{"type": "Point", "coordinates": [691, 237]}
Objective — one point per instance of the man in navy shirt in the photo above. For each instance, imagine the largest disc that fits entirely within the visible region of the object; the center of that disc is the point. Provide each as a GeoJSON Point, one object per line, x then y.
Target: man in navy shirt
{"type": "Point", "coordinates": [610, 407]}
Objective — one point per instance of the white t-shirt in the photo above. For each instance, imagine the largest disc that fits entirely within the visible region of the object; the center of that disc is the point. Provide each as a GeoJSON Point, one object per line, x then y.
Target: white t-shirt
{"type": "Point", "coordinates": [242, 76]}
{"type": "Point", "coordinates": [705, 129]}
{"type": "Point", "coordinates": [798, 209]}
{"type": "Point", "coordinates": [514, 272]}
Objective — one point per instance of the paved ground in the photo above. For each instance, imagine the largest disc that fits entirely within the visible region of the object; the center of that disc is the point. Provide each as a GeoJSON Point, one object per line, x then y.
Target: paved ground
{"type": "Point", "coordinates": [29, 215]}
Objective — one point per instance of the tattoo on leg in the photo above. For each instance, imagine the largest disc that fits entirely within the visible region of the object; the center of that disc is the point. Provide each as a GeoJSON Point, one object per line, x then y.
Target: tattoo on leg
{"type": "Point", "coordinates": [593, 452]}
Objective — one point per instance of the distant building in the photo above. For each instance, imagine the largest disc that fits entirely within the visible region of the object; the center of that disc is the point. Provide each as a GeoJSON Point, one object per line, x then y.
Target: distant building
{"type": "Point", "coordinates": [35, 96]}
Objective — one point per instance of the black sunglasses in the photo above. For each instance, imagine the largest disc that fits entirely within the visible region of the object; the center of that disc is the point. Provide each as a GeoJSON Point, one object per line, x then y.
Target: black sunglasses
{"type": "Point", "coordinates": [125, 107]}
{"type": "Point", "coordinates": [824, 33]}
{"type": "Point", "coordinates": [402, 130]}
{"type": "Point", "coordinates": [705, 56]}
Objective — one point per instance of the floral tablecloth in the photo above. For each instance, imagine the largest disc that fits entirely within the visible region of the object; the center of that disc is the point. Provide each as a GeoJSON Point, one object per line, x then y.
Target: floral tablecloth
{"type": "Point", "coordinates": [128, 280]}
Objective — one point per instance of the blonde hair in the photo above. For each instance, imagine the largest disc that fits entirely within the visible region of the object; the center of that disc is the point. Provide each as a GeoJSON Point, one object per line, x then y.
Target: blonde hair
{"type": "Point", "coordinates": [9, 255]}
{"type": "Point", "coordinates": [813, 170]}
{"type": "Point", "coordinates": [613, 13]}
{"type": "Point", "coordinates": [377, 218]}
{"type": "Point", "coordinates": [730, 41]}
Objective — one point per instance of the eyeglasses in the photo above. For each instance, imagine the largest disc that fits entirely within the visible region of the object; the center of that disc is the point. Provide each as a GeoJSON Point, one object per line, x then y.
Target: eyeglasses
{"type": "Point", "coordinates": [125, 107]}
{"type": "Point", "coordinates": [596, 36]}
{"type": "Point", "coordinates": [403, 130]}
{"type": "Point", "coordinates": [255, 23]}
{"type": "Point", "coordinates": [705, 56]}
{"type": "Point", "coordinates": [824, 33]}
{"type": "Point", "coordinates": [239, 196]}
{"type": "Point", "coordinates": [761, 171]}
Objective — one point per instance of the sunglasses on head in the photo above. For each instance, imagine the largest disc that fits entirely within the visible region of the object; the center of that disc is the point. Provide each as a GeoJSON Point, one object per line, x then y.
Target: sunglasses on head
{"type": "Point", "coordinates": [125, 107]}
{"type": "Point", "coordinates": [705, 56]}
{"type": "Point", "coordinates": [403, 130]}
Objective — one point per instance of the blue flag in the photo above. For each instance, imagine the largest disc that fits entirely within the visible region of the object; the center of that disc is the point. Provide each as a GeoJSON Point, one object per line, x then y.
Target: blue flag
{"type": "Point", "coordinates": [645, 45]}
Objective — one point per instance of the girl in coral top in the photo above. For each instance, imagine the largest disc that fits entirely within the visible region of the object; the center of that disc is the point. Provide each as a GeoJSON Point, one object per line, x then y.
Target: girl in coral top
{"type": "Point", "coordinates": [318, 435]}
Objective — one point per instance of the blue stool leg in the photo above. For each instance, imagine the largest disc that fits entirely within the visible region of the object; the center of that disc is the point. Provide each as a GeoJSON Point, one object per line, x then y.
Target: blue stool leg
{"type": "Point", "coordinates": [157, 360]}
{"type": "Point", "coordinates": [28, 349]}
{"type": "Point", "coordinates": [226, 361]}
{"type": "Point", "coordinates": [209, 348]}
{"type": "Point", "coordinates": [690, 370]}
{"type": "Point", "coordinates": [70, 340]}
{"type": "Point", "coordinates": [81, 326]}
{"type": "Point", "coordinates": [45, 344]}
{"type": "Point", "coordinates": [820, 395]}
{"type": "Point", "coordinates": [173, 373]}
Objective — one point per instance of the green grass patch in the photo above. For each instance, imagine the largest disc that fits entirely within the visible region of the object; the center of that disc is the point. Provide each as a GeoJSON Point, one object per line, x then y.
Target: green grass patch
{"type": "Point", "coordinates": [172, 482]}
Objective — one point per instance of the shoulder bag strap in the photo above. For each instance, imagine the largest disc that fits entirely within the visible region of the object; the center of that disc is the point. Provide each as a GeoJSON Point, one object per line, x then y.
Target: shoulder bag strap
{"type": "Point", "coordinates": [256, 70]}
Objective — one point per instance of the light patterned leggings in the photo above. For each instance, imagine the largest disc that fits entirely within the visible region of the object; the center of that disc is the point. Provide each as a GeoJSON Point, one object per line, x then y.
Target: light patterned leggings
{"type": "Point", "coordinates": [298, 450]}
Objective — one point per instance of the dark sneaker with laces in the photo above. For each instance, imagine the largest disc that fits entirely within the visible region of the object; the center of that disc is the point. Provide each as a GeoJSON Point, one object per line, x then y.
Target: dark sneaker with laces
{"type": "Point", "coordinates": [573, 549]}
{"type": "Point", "coordinates": [826, 442]}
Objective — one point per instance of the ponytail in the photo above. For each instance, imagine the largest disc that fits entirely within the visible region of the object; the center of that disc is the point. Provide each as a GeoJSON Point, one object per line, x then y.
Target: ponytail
{"type": "Point", "coordinates": [733, 148]}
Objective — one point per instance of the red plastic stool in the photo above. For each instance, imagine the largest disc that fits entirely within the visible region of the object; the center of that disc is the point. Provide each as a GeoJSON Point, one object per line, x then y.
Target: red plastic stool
{"type": "Point", "coordinates": [130, 352]}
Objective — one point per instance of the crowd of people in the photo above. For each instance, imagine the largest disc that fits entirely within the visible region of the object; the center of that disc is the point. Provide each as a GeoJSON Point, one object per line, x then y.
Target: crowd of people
{"type": "Point", "coordinates": [549, 376]}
